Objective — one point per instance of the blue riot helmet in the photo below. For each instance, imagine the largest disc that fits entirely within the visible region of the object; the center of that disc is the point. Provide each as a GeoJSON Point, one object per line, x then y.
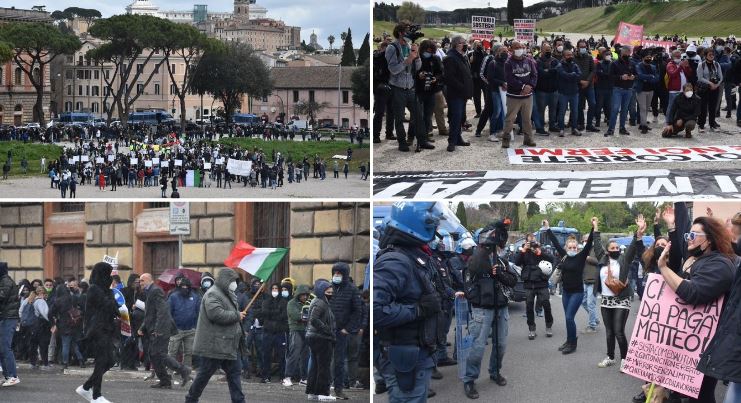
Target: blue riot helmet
{"type": "Point", "coordinates": [416, 219]}
{"type": "Point", "coordinates": [477, 235]}
{"type": "Point", "coordinates": [446, 243]}
{"type": "Point", "coordinates": [434, 243]}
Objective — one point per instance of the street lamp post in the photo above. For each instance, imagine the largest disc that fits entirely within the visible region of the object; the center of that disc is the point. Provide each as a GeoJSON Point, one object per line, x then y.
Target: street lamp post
{"type": "Point", "coordinates": [339, 96]}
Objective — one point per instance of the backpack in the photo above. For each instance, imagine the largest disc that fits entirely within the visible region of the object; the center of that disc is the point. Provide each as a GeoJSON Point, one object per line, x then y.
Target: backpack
{"type": "Point", "coordinates": [28, 316]}
{"type": "Point", "coordinates": [75, 316]}
{"type": "Point", "coordinates": [381, 73]}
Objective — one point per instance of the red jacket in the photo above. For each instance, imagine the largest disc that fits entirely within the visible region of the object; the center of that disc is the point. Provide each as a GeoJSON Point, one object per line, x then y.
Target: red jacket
{"type": "Point", "coordinates": [675, 80]}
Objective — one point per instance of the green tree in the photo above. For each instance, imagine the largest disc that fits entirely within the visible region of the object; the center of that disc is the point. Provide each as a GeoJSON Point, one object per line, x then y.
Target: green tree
{"type": "Point", "coordinates": [230, 73]}
{"type": "Point", "coordinates": [515, 10]}
{"type": "Point", "coordinates": [6, 52]}
{"type": "Point", "coordinates": [34, 46]}
{"type": "Point", "coordinates": [348, 53]}
{"type": "Point", "coordinates": [532, 209]}
{"type": "Point", "coordinates": [330, 39]}
{"type": "Point", "coordinates": [309, 109]}
{"type": "Point", "coordinates": [131, 43]}
{"type": "Point", "coordinates": [364, 51]}
{"type": "Point", "coordinates": [411, 12]}
{"type": "Point", "coordinates": [460, 212]}
{"type": "Point", "coordinates": [185, 44]}
{"type": "Point", "coordinates": [87, 14]}
{"type": "Point", "coordinates": [361, 85]}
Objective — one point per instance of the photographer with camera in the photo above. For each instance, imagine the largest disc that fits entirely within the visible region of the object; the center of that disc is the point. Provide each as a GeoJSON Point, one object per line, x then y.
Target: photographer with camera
{"type": "Point", "coordinates": [537, 265]}
{"type": "Point", "coordinates": [382, 93]}
{"type": "Point", "coordinates": [709, 80]}
{"type": "Point", "coordinates": [402, 56]}
{"type": "Point", "coordinates": [489, 283]}
{"type": "Point", "coordinates": [429, 83]}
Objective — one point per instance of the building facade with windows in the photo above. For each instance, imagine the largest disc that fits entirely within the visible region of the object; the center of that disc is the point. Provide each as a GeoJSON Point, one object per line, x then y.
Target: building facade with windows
{"type": "Point", "coordinates": [65, 239]}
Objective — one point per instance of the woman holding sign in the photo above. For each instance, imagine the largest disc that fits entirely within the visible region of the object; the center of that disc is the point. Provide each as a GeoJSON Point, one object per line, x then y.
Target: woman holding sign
{"type": "Point", "coordinates": [706, 275]}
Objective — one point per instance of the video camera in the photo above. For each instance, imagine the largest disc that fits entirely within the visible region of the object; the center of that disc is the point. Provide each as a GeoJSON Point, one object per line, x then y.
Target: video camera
{"type": "Point", "coordinates": [413, 32]}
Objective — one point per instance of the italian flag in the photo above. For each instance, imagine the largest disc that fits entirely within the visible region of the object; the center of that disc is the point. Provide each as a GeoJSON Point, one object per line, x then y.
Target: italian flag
{"type": "Point", "coordinates": [259, 262]}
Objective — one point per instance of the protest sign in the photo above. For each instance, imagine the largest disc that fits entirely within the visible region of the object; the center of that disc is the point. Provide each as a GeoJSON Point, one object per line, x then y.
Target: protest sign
{"type": "Point", "coordinates": [339, 157]}
{"type": "Point", "coordinates": [668, 337]}
{"type": "Point", "coordinates": [85, 158]}
{"type": "Point", "coordinates": [147, 163]}
{"type": "Point", "coordinates": [165, 164]}
{"type": "Point", "coordinates": [206, 165]}
{"type": "Point", "coordinates": [620, 155]}
{"type": "Point", "coordinates": [178, 163]}
{"type": "Point", "coordinates": [482, 28]}
{"type": "Point", "coordinates": [111, 157]}
{"type": "Point", "coordinates": [189, 178]}
{"type": "Point", "coordinates": [155, 161]}
{"type": "Point", "coordinates": [219, 161]}
{"type": "Point", "coordinates": [524, 30]}
{"type": "Point", "coordinates": [99, 160]}
{"type": "Point", "coordinates": [134, 161]}
{"type": "Point", "coordinates": [657, 44]}
{"type": "Point", "coordinates": [629, 34]}
{"type": "Point", "coordinates": [237, 167]}
{"type": "Point", "coordinates": [75, 158]}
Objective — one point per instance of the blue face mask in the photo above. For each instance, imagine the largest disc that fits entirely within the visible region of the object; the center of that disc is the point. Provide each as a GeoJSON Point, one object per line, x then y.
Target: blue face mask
{"type": "Point", "coordinates": [284, 294]}
{"type": "Point", "coordinates": [572, 253]}
{"type": "Point", "coordinates": [426, 55]}
{"type": "Point", "coordinates": [336, 279]}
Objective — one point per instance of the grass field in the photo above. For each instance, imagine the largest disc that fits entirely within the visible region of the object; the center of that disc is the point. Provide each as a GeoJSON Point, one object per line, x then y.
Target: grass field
{"type": "Point", "coordinates": [693, 18]}
{"type": "Point", "coordinates": [297, 149]}
{"type": "Point", "coordinates": [433, 32]}
{"type": "Point", "coordinates": [33, 153]}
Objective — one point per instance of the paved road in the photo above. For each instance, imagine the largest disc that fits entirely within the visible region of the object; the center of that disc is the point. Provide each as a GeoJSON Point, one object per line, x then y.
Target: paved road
{"type": "Point", "coordinates": [127, 386]}
{"type": "Point", "coordinates": [537, 372]}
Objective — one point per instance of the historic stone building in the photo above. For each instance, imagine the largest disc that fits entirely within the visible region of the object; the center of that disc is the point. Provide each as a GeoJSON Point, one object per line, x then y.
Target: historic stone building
{"type": "Point", "coordinates": [50, 240]}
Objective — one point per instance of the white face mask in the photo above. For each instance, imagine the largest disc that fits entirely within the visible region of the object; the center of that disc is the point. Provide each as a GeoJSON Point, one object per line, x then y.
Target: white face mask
{"type": "Point", "coordinates": [677, 61]}
{"type": "Point", "coordinates": [559, 48]}
{"type": "Point", "coordinates": [233, 286]}
{"type": "Point", "coordinates": [275, 294]}
{"type": "Point", "coordinates": [688, 94]}
{"type": "Point", "coordinates": [519, 52]}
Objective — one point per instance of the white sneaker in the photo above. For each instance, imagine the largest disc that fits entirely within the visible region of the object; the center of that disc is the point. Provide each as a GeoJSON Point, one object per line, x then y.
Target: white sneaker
{"type": "Point", "coordinates": [607, 362]}
{"type": "Point", "coordinates": [302, 382]}
{"type": "Point", "coordinates": [101, 399]}
{"type": "Point", "coordinates": [11, 382]}
{"type": "Point", "coordinates": [86, 394]}
{"type": "Point", "coordinates": [312, 397]}
{"type": "Point", "coordinates": [325, 398]}
{"type": "Point", "coordinates": [493, 138]}
{"type": "Point", "coordinates": [287, 382]}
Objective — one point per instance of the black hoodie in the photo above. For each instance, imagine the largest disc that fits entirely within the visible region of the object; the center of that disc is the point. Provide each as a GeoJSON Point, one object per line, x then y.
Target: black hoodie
{"type": "Point", "coordinates": [101, 309]}
{"type": "Point", "coordinates": [9, 301]}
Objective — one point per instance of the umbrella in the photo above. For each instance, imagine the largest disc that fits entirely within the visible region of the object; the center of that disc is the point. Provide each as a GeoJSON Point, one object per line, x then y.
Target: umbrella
{"type": "Point", "coordinates": [166, 280]}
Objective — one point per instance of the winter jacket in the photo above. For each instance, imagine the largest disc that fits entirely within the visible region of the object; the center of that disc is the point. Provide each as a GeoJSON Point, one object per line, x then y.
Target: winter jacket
{"type": "Point", "coordinates": [457, 75]}
{"type": "Point", "coordinates": [495, 75]}
{"type": "Point", "coordinates": [572, 268]}
{"type": "Point", "coordinates": [674, 71]}
{"type": "Point", "coordinates": [294, 310]}
{"type": "Point", "coordinates": [547, 79]}
{"type": "Point", "coordinates": [721, 359]}
{"type": "Point", "coordinates": [685, 108]}
{"type": "Point", "coordinates": [157, 318]}
{"type": "Point", "coordinates": [432, 65]}
{"type": "Point", "coordinates": [518, 74]}
{"type": "Point", "coordinates": [218, 333]}
{"type": "Point", "coordinates": [60, 312]}
{"type": "Point", "coordinates": [532, 275]}
{"type": "Point", "coordinates": [273, 314]}
{"type": "Point", "coordinates": [9, 301]}
{"type": "Point", "coordinates": [602, 71]}
{"type": "Point", "coordinates": [346, 303]}
{"type": "Point", "coordinates": [184, 307]}
{"type": "Point", "coordinates": [711, 276]}
{"type": "Point", "coordinates": [586, 66]}
{"type": "Point", "coordinates": [101, 309]}
{"type": "Point", "coordinates": [647, 78]}
{"type": "Point", "coordinates": [617, 69]}
{"type": "Point", "coordinates": [321, 319]}
{"type": "Point", "coordinates": [569, 75]}
{"type": "Point", "coordinates": [591, 271]}
{"type": "Point", "coordinates": [625, 260]}
{"type": "Point", "coordinates": [707, 74]}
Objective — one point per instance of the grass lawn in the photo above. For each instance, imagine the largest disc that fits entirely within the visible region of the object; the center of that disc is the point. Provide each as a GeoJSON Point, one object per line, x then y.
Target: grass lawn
{"type": "Point", "coordinates": [33, 153]}
{"type": "Point", "coordinates": [434, 32]}
{"type": "Point", "coordinates": [298, 149]}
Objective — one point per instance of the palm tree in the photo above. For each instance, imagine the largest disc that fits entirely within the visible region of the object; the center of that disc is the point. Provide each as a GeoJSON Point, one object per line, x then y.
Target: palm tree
{"type": "Point", "coordinates": [330, 38]}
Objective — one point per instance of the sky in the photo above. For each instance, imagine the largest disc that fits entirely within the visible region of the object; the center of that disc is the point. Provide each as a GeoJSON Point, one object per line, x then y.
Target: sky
{"type": "Point", "coordinates": [450, 5]}
{"type": "Point", "coordinates": [324, 17]}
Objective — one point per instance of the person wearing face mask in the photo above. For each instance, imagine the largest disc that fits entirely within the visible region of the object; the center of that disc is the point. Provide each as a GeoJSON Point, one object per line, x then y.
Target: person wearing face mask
{"type": "Point", "coordinates": [622, 74]}
{"type": "Point", "coordinates": [458, 89]}
{"type": "Point", "coordinates": [485, 116]}
{"type": "Point", "coordinates": [347, 308]}
{"type": "Point", "coordinates": [535, 283]}
{"type": "Point", "coordinates": [158, 326]}
{"type": "Point", "coordinates": [679, 73]}
{"type": "Point", "coordinates": [546, 94]}
{"type": "Point", "coordinates": [683, 113]}
{"type": "Point", "coordinates": [572, 273]}
{"type": "Point", "coordinates": [9, 317]}
{"type": "Point", "coordinates": [207, 280]}
{"type": "Point", "coordinates": [558, 50]}
{"type": "Point", "coordinates": [521, 74]}
{"type": "Point", "coordinates": [497, 86]}
{"type": "Point", "coordinates": [273, 314]}
{"type": "Point", "coordinates": [709, 83]}
{"type": "Point", "coordinates": [298, 350]}
{"type": "Point", "coordinates": [475, 58]}
{"type": "Point", "coordinates": [583, 58]}
{"type": "Point", "coordinates": [603, 86]}
{"type": "Point", "coordinates": [615, 304]}
{"type": "Point", "coordinates": [706, 275]}
{"type": "Point", "coordinates": [219, 320]}
{"type": "Point", "coordinates": [590, 278]}
{"type": "Point", "coordinates": [321, 333]}
{"type": "Point", "coordinates": [569, 74]}
{"type": "Point", "coordinates": [428, 83]}
{"type": "Point", "coordinates": [184, 303]}
{"type": "Point", "coordinates": [253, 331]}
{"type": "Point", "coordinates": [647, 79]}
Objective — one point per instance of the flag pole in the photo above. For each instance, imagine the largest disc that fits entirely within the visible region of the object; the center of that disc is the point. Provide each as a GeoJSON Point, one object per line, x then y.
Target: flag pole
{"type": "Point", "coordinates": [254, 297]}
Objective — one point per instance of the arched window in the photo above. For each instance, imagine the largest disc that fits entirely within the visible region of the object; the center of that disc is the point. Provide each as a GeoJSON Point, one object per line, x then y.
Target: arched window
{"type": "Point", "coordinates": [18, 76]}
{"type": "Point", "coordinates": [18, 108]}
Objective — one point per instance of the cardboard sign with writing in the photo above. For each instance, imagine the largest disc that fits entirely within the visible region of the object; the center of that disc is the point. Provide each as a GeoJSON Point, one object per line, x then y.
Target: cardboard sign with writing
{"type": "Point", "coordinates": [147, 163]}
{"type": "Point", "coordinates": [178, 163]}
{"type": "Point", "coordinates": [111, 157]}
{"type": "Point", "coordinates": [482, 28]}
{"type": "Point", "coordinates": [134, 161]}
{"type": "Point", "coordinates": [668, 337]}
{"type": "Point", "coordinates": [524, 30]}
{"type": "Point", "coordinates": [85, 158]}
{"type": "Point", "coordinates": [156, 161]}
{"type": "Point", "coordinates": [99, 160]}
{"type": "Point", "coordinates": [206, 165]}
{"type": "Point", "coordinates": [165, 164]}
{"type": "Point", "coordinates": [219, 161]}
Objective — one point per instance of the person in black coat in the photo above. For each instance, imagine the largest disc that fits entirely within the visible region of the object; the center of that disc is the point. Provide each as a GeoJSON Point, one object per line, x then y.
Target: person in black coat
{"type": "Point", "coordinates": [273, 315]}
{"type": "Point", "coordinates": [428, 83]}
{"type": "Point", "coordinates": [100, 330]}
{"type": "Point", "coordinates": [459, 89]}
{"type": "Point", "coordinates": [535, 283]}
{"type": "Point", "coordinates": [347, 308]}
{"type": "Point", "coordinates": [684, 113]}
{"type": "Point", "coordinates": [66, 318]}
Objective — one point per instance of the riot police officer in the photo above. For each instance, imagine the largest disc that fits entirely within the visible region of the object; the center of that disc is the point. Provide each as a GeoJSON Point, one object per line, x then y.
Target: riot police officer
{"type": "Point", "coordinates": [406, 304]}
{"type": "Point", "coordinates": [443, 252]}
{"type": "Point", "coordinates": [489, 282]}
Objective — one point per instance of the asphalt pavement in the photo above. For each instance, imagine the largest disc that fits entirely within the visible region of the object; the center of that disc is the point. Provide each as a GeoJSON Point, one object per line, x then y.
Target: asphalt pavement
{"type": "Point", "coordinates": [537, 372]}
{"type": "Point", "coordinates": [129, 386]}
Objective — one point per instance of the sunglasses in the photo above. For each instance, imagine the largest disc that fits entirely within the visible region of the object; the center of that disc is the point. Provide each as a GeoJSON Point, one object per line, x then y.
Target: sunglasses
{"type": "Point", "coordinates": [692, 235]}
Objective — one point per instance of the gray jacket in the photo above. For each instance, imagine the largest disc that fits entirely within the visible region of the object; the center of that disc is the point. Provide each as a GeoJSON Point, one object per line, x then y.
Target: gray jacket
{"type": "Point", "coordinates": [218, 333]}
{"type": "Point", "coordinates": [704, 73]}
{"type": "Point", "coordinates": [401, 74]}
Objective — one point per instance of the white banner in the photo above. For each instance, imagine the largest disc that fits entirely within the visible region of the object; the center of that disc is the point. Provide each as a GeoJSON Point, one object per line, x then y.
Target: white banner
{"type": "Point", "coordinates": [75, 158]}
{"type": "Point", "coordinates": [85, 158]}
{"type": "Point", "coordinates": [339, 157]}
{"type": "Point", "coordinates": [219, 161]}
{"type": "Point", "coordinates": [206, 165]}
{"type": "Point", "coordinates": [618, 155]}
{"type": "Point", "coordinates": [99, 160]}
{"type": "Point", "coordinates": [156, 161]}
{"type": "Point", "coordinates": [165, 164]}
{"type": "Point", "coordinates": [134, 161]}
{"type": "Point", "coordinates": [524, 30]}
{"type": "Point", "coordinates": [147, 163]}
{"type": "Point", "coordinates": [237, 167]}
{"type": "Point", "coordinates": [482, 28]}
{"type": "Point", "coordinates": [111, 157]}
{"type": "Point", "coordinates": [178, 163]}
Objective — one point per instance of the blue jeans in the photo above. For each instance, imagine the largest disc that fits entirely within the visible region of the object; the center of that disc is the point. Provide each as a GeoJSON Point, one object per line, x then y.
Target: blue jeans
{"type": "Point", "coordinates": [7, 330]}
{"type": "Point", "coordinates": [589, 303]}
{"type": "Point", "coordinates": [423, 373]}
{"type": "Point", "coordinates": [339, 356]}
{"type": "Point", "coordinates": [734, 393]}
{"type": "Point", "coordinates": [500, 330]}
{"type": "Point", "coordinates": [68, 339]}
{"type": "Point", "coordinates": [604, 102]}
{"type": "Point", "coordinates": [571, 302]}
{"type": "Point", "coordinates": [620, 102]}
{"type": "Point", "coordinates": [670, 106]}
{"type": "Point", "coordinates": [496, 122]}
{"type": "Point", "coordinates": [543, 99]}
{"type": "Point", "coordinates": [563, 100]}
{"type": "Point", "coordinates": [456, 109]}
{"type": "Point", "coordinates": [206, 369]}
{"type": "Point", "coordinates": [633, 106]}
{"type": "Point", "coordinates": [480, 327]}
{"type": "Point", "coordinates": [587, 95]}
